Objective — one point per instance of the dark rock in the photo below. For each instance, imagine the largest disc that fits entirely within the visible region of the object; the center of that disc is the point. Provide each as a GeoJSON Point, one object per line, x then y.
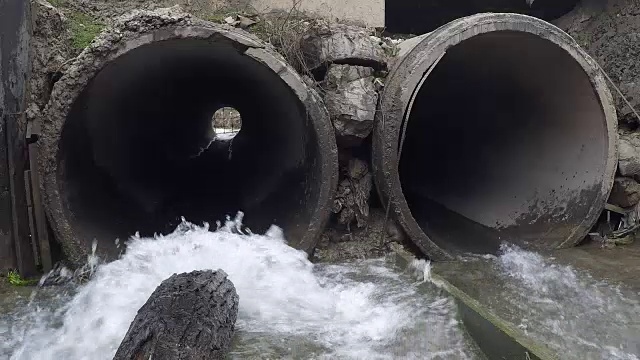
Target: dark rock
{"type": "Point", "coordinates": [189, 316]}
{"type": "Point", "coordinates": [352, 199]}
{"type": "Point", "coordinates": [625, 192]}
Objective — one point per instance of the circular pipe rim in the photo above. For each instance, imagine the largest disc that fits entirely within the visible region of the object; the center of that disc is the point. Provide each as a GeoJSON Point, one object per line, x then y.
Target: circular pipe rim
{"type": "Point", "coordinates": [403, 83]}
{"type": "Point", "coordinates": [93, 59]}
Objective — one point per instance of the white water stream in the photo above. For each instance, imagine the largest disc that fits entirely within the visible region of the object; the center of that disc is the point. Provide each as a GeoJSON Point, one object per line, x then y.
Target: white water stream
{"type": "Point", "coordinates": [289, 308]}
{"type": "Point", "coordinates": [569, 311]}
{"type": "Point", "coordinates": [293, 309]}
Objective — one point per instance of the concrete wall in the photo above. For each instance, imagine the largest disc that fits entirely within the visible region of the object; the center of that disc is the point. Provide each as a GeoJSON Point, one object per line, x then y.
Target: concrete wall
{"type": "Point", "coordinates": [15, 249]}
{"type": "Point", "coordinates": [363, 12]}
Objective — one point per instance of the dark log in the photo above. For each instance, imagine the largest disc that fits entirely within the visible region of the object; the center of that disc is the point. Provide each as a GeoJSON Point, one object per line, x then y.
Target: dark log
{"type": "Point", "coordinates": [189, 316]}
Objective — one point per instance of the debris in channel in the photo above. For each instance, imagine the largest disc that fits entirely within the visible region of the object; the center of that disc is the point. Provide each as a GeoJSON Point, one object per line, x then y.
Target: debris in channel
{"type": "Point", "coordinates": [352, 199]}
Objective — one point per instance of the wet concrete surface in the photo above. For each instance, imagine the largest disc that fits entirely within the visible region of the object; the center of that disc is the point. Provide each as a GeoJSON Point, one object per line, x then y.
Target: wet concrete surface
{"type": "Point", "coordinates": [585, 300]}
{"type": "Point", "coordinates": [618, 265]}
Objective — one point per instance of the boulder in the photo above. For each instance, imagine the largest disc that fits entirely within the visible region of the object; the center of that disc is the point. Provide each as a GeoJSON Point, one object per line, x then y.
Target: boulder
{"type": "Point", "coordinates": [629, 155]}
{"type": "Point", "coordinates": [351, 98]}
{"type": "Point", "coordinates": [323, 44]}
{"type": "Point", "coordinates": [189, 316]}
{"type": "Point", "coordinates": [625, 192]}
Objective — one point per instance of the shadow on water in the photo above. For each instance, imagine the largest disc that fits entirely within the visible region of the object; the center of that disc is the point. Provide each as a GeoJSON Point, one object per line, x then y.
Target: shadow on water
{"type": "Point", "coordinates": [450, 230]}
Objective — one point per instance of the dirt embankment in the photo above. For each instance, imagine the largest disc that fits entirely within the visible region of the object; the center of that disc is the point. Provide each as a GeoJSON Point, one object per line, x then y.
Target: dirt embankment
{"type": "Point", "coordinates": [608, 31]}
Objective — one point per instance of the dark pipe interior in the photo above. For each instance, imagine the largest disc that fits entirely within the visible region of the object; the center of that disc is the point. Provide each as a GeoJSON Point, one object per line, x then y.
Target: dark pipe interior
{"type": "Point", "coordinates": [507, 133]}
{"type": "Point", "coordinates": [129, 148]}
{"type": "Point", "coordinates": [418, 17]}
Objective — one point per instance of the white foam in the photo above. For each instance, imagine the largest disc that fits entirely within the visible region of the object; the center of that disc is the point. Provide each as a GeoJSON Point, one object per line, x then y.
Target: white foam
{"type": "Point", "coordinates": [569, 311]}
{"type": "Point", "coordinates": [354, 311]}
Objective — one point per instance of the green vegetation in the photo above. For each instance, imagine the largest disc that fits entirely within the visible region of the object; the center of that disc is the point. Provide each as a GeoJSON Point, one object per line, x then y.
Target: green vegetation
{"type": "Point", "coordinates": [16, 280]}
{"type": "Point", "coordinates": [84, 29]}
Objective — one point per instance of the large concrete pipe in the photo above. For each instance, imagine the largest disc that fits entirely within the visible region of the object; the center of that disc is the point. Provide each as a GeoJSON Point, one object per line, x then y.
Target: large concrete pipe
{"type": "Point", "coordinates": [128, 143]}
{"type": "Point", "coordinates": [510, 137]}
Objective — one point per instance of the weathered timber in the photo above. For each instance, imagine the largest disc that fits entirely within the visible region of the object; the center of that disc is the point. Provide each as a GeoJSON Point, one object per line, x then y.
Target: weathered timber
{"type": "Point", "coordinates": [188, 316]}
{"type": "Point", "coordinates": [15, 246]}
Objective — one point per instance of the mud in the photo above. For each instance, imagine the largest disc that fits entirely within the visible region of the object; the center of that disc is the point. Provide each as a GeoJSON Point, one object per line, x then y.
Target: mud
{"type": "Point", "coordinates": [608, 31]}
{"type": "Point", "coordinates": [339, 244]}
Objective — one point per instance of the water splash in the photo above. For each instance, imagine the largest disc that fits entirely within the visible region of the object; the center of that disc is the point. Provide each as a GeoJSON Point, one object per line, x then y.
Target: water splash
{"type": "Point", "coordinates": [289, 308]}
{"type": "Point", "coordinates": [569, 311]}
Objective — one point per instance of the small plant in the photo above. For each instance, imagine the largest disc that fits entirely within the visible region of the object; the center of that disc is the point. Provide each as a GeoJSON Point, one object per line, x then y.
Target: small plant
{"type": "Point", "coordinates": [16, 280]}
{"type": "Point", "coordinates": [84, 29]}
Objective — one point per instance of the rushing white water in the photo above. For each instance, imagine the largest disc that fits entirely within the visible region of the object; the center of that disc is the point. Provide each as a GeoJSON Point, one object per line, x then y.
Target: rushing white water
{"type": "Point", "coordinates": [289, 308]}
{"type": "Point", "coordinates": [571, 312]}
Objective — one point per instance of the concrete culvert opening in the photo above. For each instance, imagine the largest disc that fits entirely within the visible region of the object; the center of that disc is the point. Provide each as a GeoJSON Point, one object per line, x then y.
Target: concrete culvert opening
{"type": "Point", "coordinates": [137, 149]}
{"type": "Point", "coordinates": [508, 139]}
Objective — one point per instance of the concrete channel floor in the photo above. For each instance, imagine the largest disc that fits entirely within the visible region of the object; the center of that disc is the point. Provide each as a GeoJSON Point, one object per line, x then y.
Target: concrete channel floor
{"type": "Point", "coordinates": [619, 265]}
{"type": "Point", "coordinates": [584, 301]}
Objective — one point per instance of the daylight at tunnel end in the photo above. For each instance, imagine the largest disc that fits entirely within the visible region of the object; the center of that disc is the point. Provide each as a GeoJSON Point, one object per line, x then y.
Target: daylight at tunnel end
{"type": "Point", "coordinates": [316, 159]}
{"type": "Point", "coordinates": [559, 209]}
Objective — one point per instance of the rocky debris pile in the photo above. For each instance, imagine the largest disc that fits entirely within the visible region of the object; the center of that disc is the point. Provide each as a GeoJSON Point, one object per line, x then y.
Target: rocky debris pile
{"type": "Point", "coordinates": [351, 97]}
{"type": "Point", "coordinates": [374, 240]}
{"type": "Point", "coordinates": [243, 21]}
{"type": "Point", "coordinates": [622, 221]}
{"type": "Point", "coordinates": [326, 43]}
{"type": "Point", "coordinates": [188, 316]}
{"type": "Point", "coordinates": [352, 199]}
{"type": "Point", "coordinates": [351, 62]}
{"type": "Point", "coordinates": [348, 64]}
{"type": "Point", "coordinates": [607, 31]}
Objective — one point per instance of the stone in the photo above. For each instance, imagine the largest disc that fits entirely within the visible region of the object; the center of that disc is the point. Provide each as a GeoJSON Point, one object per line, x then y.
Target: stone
{"type": "Point", "coordinates": [625, 192]}
{"type": "Point", "coordinates": [325, 44]}
{"type": "Point", "coordinates": [629, 155]}
{"type": "Point", "coordinates": [189, 316]}
{"type": "Point", "coordinates": [352, 198]}
{"type": "Point", "coordinates": [351, 98]}
{"type": "Point", "coordinates": [338, 75]}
